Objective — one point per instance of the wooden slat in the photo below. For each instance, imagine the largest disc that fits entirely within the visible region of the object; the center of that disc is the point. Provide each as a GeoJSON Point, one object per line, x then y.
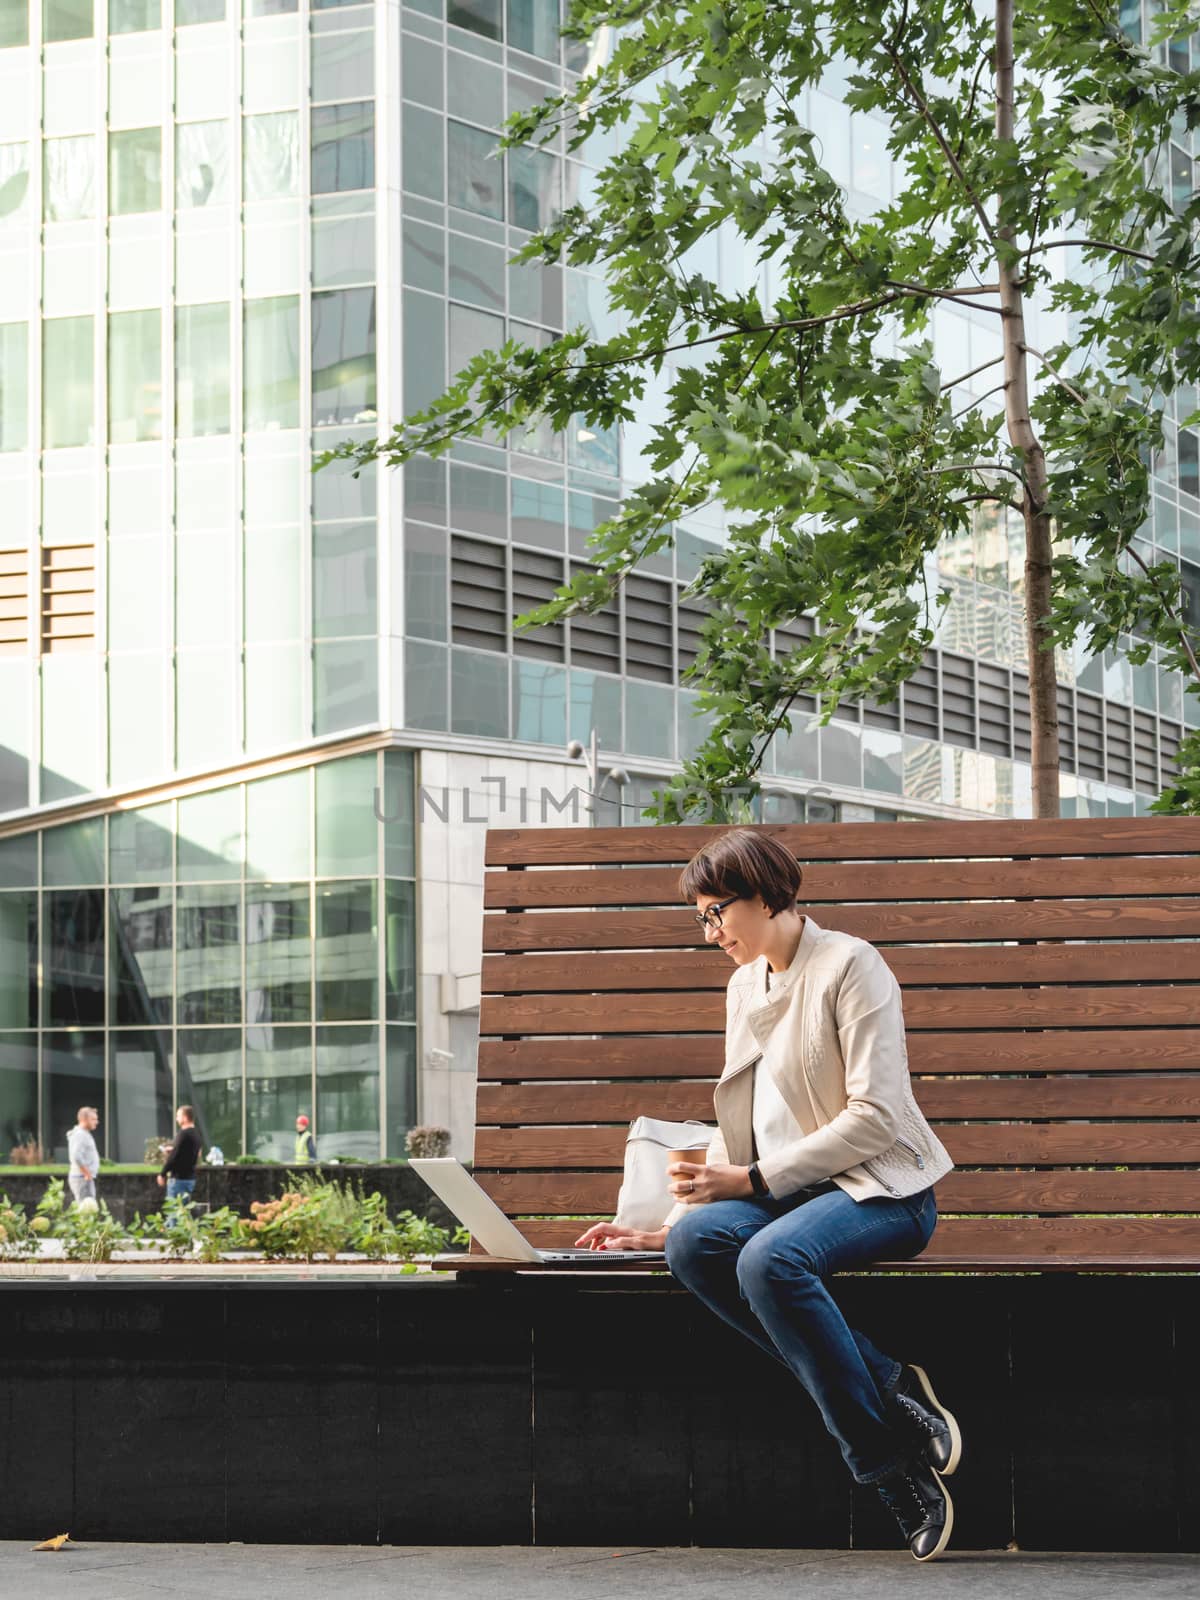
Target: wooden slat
{"type": "Point", "coordinates": [691, 1010]}
{"type": "Point", "coordinates": [939, 964]}
{"type": "Point", "coordinates": [981, 1144]}
{"type": "Point", "coordinates": [589, 1194]}
{"type": "Point", "coordinates": [670, 928]}
{"type": "Point", "coordinates": [847, 841]}
{"type": "Point", "coordinates": [835, 883]}
{"type": "Point", "coordinates": [702, 1055]}
{"type": "Point", "coordinates": [1000, 1244]}
{"type": "Point", "coordinates": [1111, 1095]}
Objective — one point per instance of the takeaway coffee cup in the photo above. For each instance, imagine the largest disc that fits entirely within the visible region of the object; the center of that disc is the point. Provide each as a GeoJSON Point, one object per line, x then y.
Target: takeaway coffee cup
{"type": "Point", "coordinates": [698, 1158]}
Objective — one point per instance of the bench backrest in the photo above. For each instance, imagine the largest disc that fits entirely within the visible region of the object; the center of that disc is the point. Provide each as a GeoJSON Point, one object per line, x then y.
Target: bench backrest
{"type": "Point", "coordinates": [1051, 979]}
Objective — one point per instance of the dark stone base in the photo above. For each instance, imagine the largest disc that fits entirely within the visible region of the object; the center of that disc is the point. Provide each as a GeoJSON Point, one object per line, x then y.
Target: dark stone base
{"type": "Point", "coordinates": [128, 1193]}
{"type": "Point", "coordinates": [557, 1411]}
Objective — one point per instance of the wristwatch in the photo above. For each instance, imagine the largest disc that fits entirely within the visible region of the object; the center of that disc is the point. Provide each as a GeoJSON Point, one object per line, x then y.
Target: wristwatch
{"type": "Point", "coordinates": [757, 1182]}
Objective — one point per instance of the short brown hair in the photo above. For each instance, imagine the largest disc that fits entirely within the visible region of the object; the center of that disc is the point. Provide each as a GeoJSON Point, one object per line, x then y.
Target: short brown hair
{"type": "Point", "coordinates": [189, 1112]}
{"type": "Point", "coordinates": [744, 862]}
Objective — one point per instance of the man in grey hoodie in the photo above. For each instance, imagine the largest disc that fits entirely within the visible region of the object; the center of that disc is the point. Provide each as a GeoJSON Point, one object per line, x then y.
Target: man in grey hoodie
{"type": "Point", "coordinates": [85, 1158]}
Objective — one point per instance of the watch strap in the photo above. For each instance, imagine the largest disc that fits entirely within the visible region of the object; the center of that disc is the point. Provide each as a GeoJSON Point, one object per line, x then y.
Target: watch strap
{"type": "Point", "coordinates": [757, 1182]}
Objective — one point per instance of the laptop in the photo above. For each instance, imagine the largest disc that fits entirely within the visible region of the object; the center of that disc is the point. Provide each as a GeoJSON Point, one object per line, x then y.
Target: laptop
{"type": "Point", "coordinates": [477, 1211]}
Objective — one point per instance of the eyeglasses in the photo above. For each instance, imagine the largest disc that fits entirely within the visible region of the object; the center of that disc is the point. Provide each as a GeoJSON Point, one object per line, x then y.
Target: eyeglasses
{"type": "Point", "coordinates": [711, 918]}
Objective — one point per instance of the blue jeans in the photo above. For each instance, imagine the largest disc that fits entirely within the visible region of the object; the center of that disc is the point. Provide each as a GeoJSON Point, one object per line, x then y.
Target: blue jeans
{"type": "Point", "coordinates": [180, 1188]}
{"type": "Point", "coordinates": [761, 1265]}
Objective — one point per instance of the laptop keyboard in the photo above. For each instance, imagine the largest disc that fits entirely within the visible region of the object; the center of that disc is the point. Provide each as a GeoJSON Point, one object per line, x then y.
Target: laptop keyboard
{"type": "Point", "coordinates": [603, 1255]}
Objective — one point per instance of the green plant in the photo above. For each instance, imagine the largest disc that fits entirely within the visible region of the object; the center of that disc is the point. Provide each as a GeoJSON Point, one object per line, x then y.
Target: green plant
{"type": "Point", "coordinates": [248, 1161]}
{"type": "Point", "coordinates": [28, 1153]}
{"type": "Point", "coordinates": [16, 1237]}
{"type": "Point", "coordinates": [88, 1231]}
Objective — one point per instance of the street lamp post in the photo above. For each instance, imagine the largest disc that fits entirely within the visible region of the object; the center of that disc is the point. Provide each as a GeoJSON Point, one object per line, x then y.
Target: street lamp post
{"type": "Point", "coordinates": [590, 755]}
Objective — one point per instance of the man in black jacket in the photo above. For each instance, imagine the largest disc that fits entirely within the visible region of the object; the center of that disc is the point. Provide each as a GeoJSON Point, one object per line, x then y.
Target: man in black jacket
{"type": "Point", "coordinates": [179, 1169]}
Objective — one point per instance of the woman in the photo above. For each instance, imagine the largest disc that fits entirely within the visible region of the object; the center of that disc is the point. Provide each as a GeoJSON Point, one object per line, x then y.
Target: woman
{"type": "Point", "coordinates": [822, 1163]}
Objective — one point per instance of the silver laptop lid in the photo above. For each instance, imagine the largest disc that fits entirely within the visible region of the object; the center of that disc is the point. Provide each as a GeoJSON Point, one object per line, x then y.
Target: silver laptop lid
{"type": "Point", "coordinates": [475, 1209]}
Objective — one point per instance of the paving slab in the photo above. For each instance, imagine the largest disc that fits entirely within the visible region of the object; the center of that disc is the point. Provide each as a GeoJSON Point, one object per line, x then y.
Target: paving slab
{"type": "Point", "coordinates": [315, 1572]}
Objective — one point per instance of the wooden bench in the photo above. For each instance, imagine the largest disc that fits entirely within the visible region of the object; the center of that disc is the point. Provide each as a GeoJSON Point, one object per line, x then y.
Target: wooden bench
{"type": "Point", "coordinates": [1051, 979]}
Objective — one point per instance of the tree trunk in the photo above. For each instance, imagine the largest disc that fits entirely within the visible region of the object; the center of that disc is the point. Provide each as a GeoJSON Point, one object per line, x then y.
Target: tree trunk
{"type": "Point", "coordinates": [1043, 685]}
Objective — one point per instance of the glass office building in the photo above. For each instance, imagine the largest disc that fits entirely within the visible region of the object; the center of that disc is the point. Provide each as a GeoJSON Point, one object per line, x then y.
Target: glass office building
{"type": "Point", "coordinates": [233, 232]}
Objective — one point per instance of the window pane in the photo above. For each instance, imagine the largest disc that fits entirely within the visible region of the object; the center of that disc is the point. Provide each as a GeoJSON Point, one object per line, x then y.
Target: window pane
{"type": "Point", "coordinates": [471, 333]}
{"type": "Point", "coordinates": [140, 1092]}
{"type": "Point", "coordinates": [18, 1090]}
{"type": "Point", "coordinates": [344, 576]}
{"type": "Point", "coordinates": [347, 829]}
{"type": "Point", "coordinates": [134, 376]}
{"type": "Point", "coordinates": [66, 19]}
{"type": "Point", "coordinates": [278, 953]}
{"type": "Point", "coordinates": [209, 962]}
{"type": "Point", "coordinates": [14, 385]}
{"type": "Point", "coordinates": [73, 957]}
{"type": "Point", "coordinates": [73, 853]}
{"type": "Point", "coordinates": [400, 963]}
{"type": "Point", "coordinates": [532, 189]}
{"type": "Point", "coordinates": [474, 90]}
{"type": "Point", "coordinates": [271, 155]}
{"type": "Point", "coordinates": [540, 703]}
{"type": "Point", "coordinates": [343, 356]}
{"type": "Point", "coordinates": [134, 171]}
{"type": "Point", "coordinates": [188, 11]}
{"type": "Point", "coordinates": [476, 173]}
{"type": "Point", "coordinates": [201, 164]}
{"type": "Point", "coordinates": [270, 8]}
{"type": "Point", "coordinates": [201, 370]}
{"type": "Point", "coordinates": [345, 689]}
{"type": "Point", "coordinates": [348, 1092]}
{"type": "Point", "coordinates": [67, 398]}
{"type": "Point", "coordinates": [398, 830]}
{"type": "Point", "coordinates": [207, 688]}
{"type": "Point", "coordinates": [140, 952]}
{"type": "Point", "coordinates": [343, 251]}
{"type": "Point", "coordinates": [476, 272]}
{"type": "Point", "coordinates": [343, 65]}
{"type": "Point", "coordinates": [272, 363]}
{"type": "Point", "coordinates": [140, 845]}
{"type": "Point", "coordinates": [401, 1087]}
{"type": "Point", "coordinates": [480, 16]}
{"type": "Point", "coordinates": [425, 600]}
{"type": "Point", "coordinates": [424, 349]}
{"type": "Point", "coordinates": [134, 16]}
{"type": "Point", "coordinates": [533, 26]}
{"type": "Point", "coordinates": [272, 584]}
{"type": "Point", "coordinates": [478, 694]}
{"type": "Point", "coordinates": [18, 861]}
{"type": "Point", "coordinates": [14, 23]}
{"type": "Point", "coordinates": [347, 952]}
{"type": "Point", "coordinates": [69, 178]}
{"type": "Point", "coordinates": [343, 147]}
{"type": "Point", "coordinates": [421, 147]}
{"type": "Point", "coordinates": [209, 1067]}
{"type": "Point", "coordinates": [18, 963]}
{"type": "Point", "coordinates": [72, 1076]}
{"type": "Point", "coordinates": [14, 182]}
{"type": "Point", "coordinates": [204, 589]}
{"type": "Point", "coordinates": [277, 828]}
{"type": "Point", "coordinates": [210, 836]}
{"type": "Point", "coordinates": [278, 1088]}
{"type": "Point", "coordinates": [426, 695]}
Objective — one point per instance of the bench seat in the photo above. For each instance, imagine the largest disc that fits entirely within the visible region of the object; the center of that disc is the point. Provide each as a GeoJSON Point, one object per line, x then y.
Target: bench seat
{"type": "Point", "coordinates": [1051, 980]}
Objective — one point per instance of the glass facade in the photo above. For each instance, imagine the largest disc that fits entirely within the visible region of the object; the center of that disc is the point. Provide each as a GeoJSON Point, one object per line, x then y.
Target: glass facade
{"type": "Point", "coordinates": [250, 950]}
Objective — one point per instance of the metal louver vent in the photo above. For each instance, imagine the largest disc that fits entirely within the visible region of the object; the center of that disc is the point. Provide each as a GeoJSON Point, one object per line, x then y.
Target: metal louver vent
{"type": "Point", "coordinates": [648, 629]}
{"type": "Point", "coordinates": [995, 708]}
{"type": "Point", "coordinates": [958, 700]}
{"type": "Point", "coordinates": [1169, 735]}
{"type": "Point", "coordinates": [1118, 745]}
{"type": "Point", "coordinates": [786, 639]}
{"type": "Point", "coordinates": [919, 700]}
{"type": "Point", "coordinates": [689, 614]}
{"type": "Point", "coordinates": [478, 594]}
{"type": "Point", "coordinates": [535, 577]}
{"type": "Point", "coordinates": [595, 637]}
{"type": "Point", "coordinates": [1066, 730]}
{"type": "Point", "coordinates": [1089, 735]}
{"type": "Point", "coordinates": [1145, 752]}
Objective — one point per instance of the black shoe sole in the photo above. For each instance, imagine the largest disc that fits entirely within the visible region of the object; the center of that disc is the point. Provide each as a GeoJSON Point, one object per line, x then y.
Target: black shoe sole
{"type": "Point", "coordinates": [947, 1417]}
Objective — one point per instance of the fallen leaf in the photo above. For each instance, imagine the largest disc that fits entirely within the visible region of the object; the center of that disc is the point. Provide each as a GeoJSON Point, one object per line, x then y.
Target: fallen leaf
{"type": "Point", "coordinates": [56, 1543]}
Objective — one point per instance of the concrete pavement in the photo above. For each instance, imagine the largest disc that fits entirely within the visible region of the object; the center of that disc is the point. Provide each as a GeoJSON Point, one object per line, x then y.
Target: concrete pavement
{"type": "Point", "coordinates": [315, 1572]}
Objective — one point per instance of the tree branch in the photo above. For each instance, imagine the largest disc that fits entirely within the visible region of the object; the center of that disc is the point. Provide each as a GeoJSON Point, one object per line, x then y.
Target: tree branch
{"type": "Point", "coordinates": [980, 466]}
{"type": "Point", "coordinates": [978, 400]}
{"type": "Point", "coordinates": [950, 294]}
{"type": "Point", "coordinates": [1090, 244]}
{"type": "Point", "coordinates": [1171, 612]}
{"type": "Point", "coordinates": [1054, 373]}
{"type": "Point", "coordinates": [952, 382]}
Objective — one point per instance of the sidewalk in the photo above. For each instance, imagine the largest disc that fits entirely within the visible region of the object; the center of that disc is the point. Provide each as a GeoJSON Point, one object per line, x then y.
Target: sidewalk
{"type": "Point", "coordinates": [313, 1572]}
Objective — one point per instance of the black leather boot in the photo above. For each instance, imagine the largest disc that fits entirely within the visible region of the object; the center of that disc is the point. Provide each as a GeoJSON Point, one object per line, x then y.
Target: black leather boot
{"type": "Point", "coordinates": [926, 1421]}
{"type": "Point", "coordinates": [921, 1504]}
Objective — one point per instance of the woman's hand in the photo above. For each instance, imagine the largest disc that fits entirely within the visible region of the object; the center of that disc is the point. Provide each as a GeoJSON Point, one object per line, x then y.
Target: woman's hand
{"type": "Point", "coordinates": [614, 1236]}
{"type": "Point", "coordinates": [697, 1184]}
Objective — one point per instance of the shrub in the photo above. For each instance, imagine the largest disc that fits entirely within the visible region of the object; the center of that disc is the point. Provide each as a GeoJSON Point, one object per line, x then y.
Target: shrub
{"type": "Point", "coordinates": [27, 1154]}
{"type": "Point", "coordinates": [427, 1142]}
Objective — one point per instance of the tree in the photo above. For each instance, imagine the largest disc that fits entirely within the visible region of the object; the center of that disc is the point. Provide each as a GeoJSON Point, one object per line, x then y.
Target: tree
{"type": "Point", "coordinates": [817, 416]}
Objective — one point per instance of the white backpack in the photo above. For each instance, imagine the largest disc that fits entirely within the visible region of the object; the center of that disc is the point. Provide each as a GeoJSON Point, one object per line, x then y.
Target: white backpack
{"type": "Point", "coordinates": [645, 1199]}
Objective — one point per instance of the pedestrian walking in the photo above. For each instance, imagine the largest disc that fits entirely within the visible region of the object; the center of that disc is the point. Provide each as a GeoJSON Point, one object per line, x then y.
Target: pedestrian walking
{"type": "Point", "coordinates": [306, 1145]}
{"type": "Point", "coordinates": [85, 1158]}
{"type": "Point", "coordinates": [179, 1169]}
